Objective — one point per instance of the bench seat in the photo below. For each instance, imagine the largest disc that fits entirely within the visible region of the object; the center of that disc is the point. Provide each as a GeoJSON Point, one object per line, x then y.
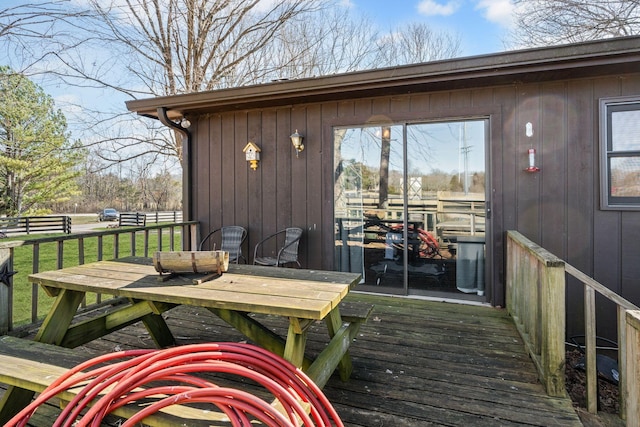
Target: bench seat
{"type": "Point", "coordinates": [355, 311]}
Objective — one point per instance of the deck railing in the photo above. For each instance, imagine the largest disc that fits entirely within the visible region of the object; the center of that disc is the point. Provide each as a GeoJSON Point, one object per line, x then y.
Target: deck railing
{"type": "Point", "coordinates": [535, 288]}
{"type": "Point", "coordinates": [167, 236]}
{"type": "Point", "coordinates": [444, 214]}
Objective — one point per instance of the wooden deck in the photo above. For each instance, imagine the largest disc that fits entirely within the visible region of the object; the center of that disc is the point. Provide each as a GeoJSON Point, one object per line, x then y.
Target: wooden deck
{"type": "Point", "coordinates": [416, 363]}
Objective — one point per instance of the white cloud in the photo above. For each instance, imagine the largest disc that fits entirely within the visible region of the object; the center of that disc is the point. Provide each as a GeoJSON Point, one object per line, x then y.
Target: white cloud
{"type": "Point", "coordinates": [433, 8]}
{"type": "Point", "coordinates": [497, 11]}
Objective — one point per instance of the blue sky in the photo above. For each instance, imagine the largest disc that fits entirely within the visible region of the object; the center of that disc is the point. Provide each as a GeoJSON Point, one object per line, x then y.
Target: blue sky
{"type": "Point", "coordinates": [480, 24]}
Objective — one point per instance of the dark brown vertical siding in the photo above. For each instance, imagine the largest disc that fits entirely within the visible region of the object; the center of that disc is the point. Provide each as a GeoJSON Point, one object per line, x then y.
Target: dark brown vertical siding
{"type": "Point", "coordinates": [497, 185]}
{"type": "Point", "coordinates": [439, 100]}
{"type": "Point", "coordinates": [460, 99]}
{"type": "Point", "coordinates": [482, 97]}
{"type": "Point", "coordinates": [212, 187]}
{"type": "Point", "coordinates": [362, 106]}
{"type": "Point", "coordinates": [399, 105]}
{"type": "Point", "coordinates": [226, 155]}
{"type": "Point", "coordinates": [242, 174]}
{"type": "Point", "coordinates": [265, 133]}
{"type": "Point", "coordinates": [506, 200]}
{"type": "Point", "coordinates": [557, 207]}
{"type": "Point", "coordinates": [420, 102]}
{"type": "Point", "coordinates": [319, 192]}
{"type": "Point", "coordinates": [247, 129]}
{"type": "Point", "coordinates": [552, 159]}
{"type": "Point", "coordinates": [381, 106]}
{"type": "Point", "coordinates": [326, 232]}
{"type": "Point", "coordinates": [581, 174]}
{"type": "Point", "coordinates": [528, 105]}
{"type": "Point", "coordinates": [285, 161]}
{"type": "Point", "coordinates": [299, 177]}
{"type": "Point", "coordinates": [204, 161]}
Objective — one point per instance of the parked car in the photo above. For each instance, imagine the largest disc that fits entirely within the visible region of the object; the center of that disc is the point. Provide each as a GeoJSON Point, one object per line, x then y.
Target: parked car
{"type": "Point", "coordinates": [108, 214]}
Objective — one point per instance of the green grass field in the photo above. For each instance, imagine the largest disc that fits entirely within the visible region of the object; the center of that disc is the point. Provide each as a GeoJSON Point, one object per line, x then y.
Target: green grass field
{"type": "Point", "coordinates": [23, 263]}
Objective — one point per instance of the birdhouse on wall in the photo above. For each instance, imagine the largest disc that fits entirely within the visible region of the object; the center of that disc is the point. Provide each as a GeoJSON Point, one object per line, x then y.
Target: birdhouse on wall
{"type": "Point", "coordinates": [252, 154]}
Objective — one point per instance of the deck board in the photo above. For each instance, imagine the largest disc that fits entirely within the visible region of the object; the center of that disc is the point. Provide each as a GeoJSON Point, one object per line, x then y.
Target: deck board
{"type": "Point", "coordinates": [416, 363]}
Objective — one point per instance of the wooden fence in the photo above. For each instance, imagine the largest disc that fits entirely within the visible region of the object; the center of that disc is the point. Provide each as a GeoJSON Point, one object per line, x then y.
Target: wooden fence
{"type": "Point", "coordinates": [168, 216]}
{"type": "Point", "coordinates": [536, 281]}
{"type": "Point", "coordinates": [32, 224]}
{"type": "Point", "coordinates": [136, 219]}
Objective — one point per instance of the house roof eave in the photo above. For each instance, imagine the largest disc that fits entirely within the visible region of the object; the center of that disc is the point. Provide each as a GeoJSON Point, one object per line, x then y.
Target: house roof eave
{"type": "Point", "coordinates": [621, 55]}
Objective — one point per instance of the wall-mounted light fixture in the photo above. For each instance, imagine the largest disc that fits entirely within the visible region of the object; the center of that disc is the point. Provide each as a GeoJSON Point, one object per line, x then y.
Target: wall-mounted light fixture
{"type": "Point", "coordinates": [252, 154]}
{"type": "Point", "coordinates": [532, 151]}
{"type": "Point", "coordinates": [296, 140]}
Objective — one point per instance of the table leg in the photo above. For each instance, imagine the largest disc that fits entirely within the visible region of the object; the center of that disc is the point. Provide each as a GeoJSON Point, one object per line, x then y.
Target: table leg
{"type": "Point", "coordinates": [52, 331]}
{"type": "Point", "coordinates": [334, 323]}
{"type": "Point", "coordinates": [260, 334]}
{"type": "Point", "coordinates": [57, 322]}
{"type": "Point", "coordinates": [296, 343]}
{"type": "Point", "coordinates": [336, 354]}
{"type": "Point", "coordinates": [158, 330]}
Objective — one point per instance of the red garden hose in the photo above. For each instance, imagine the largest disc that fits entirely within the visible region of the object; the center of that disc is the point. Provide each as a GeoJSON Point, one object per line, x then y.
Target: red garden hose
{"type": "Point", "coordinates": [129, 376]}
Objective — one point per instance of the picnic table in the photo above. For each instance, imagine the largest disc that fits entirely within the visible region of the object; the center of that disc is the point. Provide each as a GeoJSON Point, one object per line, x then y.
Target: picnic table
{"type": "Point", "coordinates": [302, 296]}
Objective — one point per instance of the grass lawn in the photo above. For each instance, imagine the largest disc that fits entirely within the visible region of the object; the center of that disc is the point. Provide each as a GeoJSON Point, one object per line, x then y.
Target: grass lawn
{"type": "Point", "coordinates": [23, 291]}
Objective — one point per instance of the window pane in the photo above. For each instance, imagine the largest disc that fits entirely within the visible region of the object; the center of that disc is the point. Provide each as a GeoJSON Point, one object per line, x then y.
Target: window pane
{"type": "Point", "coordinates": [625, 177]}
{"type": "Point", "coordinates": [620, 153]}
{"type": "Point", "coordinates": [368, 193]}
{"type": "Point", "coordinates": [625, 130]}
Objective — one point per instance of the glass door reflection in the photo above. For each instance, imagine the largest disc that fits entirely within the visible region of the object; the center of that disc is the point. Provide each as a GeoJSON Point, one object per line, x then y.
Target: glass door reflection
{"type": "Point", "coordinates": [404, 196]}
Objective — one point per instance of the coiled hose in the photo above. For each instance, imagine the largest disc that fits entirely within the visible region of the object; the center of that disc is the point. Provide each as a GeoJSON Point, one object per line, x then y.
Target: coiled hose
{"type": "Point", "coordinates": [128, 376]}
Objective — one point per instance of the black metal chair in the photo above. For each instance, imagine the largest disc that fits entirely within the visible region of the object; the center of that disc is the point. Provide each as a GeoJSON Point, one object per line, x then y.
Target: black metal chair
{"type": "Point", "coordinates": [287, 253]}
{"type": "Point", "coordinates": [232, 237]}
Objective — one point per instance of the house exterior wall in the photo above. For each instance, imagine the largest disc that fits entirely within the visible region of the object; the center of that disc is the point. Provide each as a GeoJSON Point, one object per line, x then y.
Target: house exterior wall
{"type": "Point", "coordinates": [558, 207]}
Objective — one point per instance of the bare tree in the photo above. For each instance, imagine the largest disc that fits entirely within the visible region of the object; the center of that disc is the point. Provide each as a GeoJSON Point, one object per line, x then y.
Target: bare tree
{"type": "Point", "coordinates": [337, 43]}
{"type": "Point", "coordinates": [170, 47]}
{"type": "Point", "coordinates": [415, 43]}
{"type": "Point", "coordinates": [543, 22]}
{"type": "Point", "coordinates": [147, 48]}
{"type": "Point", "coordinates": [25, 28]}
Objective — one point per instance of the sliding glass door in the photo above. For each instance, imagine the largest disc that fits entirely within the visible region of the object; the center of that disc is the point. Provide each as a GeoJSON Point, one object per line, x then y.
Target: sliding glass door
{"type": "Point", "coordinates": [407, 196]}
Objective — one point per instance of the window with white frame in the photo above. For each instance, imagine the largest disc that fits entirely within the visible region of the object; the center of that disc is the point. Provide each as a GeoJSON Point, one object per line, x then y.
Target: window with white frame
{"type": "Point", "coordinates": [620, 153]}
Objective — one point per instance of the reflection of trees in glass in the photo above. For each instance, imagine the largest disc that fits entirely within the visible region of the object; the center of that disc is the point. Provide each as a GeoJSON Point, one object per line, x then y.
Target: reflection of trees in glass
{"type": "Point", "coordinates": [356, 176]}
{"type": "Point", "coordinates": [385, 153]}
{"type": "Point", "coordinates": [444, 154]}
{"type": "Point", "coordinates": [625, 177]}
{"type": "Point", "coordinates": [441, 156]}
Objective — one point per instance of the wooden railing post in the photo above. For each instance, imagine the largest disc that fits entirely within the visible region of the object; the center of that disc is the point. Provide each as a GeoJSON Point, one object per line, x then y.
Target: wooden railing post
{"type": "Point", "coordinates": [622, 360]}
{"type": "Point", "coordinates": [536, 302]}
{"type": "Point", "coordinates": [553, 327]}
{"type": "Point", "coordinates": [5, 295]}
{"type": "Point", "coordinates": [633, 368]}
{"type": "Point", "coordinates": [590, 349]}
